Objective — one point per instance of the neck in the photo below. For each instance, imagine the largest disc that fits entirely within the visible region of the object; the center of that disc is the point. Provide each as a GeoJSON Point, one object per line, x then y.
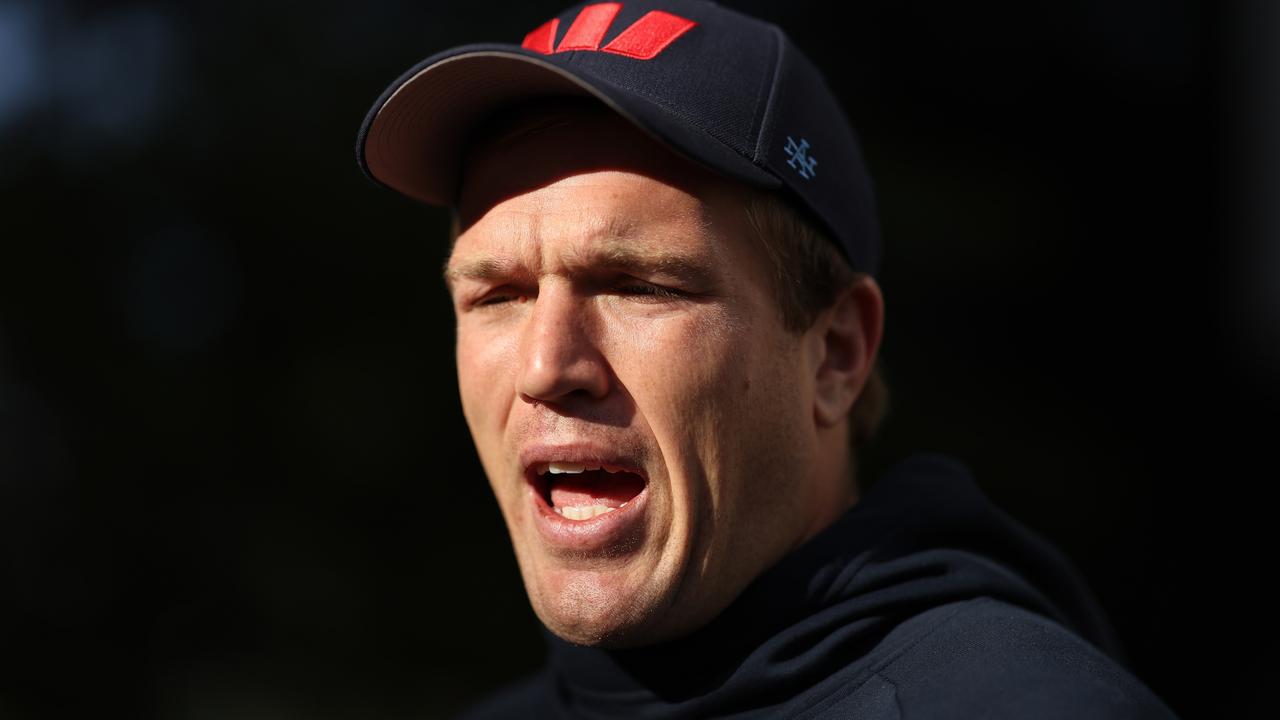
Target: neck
{"type": "Point", "coordinates": [835, 490]}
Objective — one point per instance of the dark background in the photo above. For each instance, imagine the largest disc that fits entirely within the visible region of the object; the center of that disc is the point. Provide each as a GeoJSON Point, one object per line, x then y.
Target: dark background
{"type": "Point", "coordinates": [234, 477]}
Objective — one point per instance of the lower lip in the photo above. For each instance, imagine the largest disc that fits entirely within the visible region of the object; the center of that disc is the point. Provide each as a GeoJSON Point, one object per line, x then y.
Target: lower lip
{"type": "Point", "coordinates": [609, 534]}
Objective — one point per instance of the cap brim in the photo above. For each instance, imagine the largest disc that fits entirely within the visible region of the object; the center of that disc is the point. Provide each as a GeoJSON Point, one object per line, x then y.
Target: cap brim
{"type": "Point", "coordinates": [413, 139]}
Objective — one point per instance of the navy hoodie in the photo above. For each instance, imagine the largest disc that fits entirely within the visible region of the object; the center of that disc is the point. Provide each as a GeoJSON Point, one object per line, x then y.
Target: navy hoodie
{"type": "Point", "coordinates": [923, 601]}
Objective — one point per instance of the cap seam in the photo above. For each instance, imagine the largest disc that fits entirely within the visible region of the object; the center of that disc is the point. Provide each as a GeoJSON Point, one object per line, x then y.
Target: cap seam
{"type": "Point", "coordinates": [759, 150]}
{"type": "Point", "coordinates": [766, 127]}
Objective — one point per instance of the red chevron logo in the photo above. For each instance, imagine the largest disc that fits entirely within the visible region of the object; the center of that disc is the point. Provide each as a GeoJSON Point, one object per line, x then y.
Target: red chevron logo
{"type": "Point", "coordinates": [644, 40]}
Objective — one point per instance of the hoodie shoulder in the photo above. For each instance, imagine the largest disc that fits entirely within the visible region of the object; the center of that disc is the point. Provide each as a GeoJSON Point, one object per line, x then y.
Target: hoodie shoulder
{"type": "Point", "coordinates": [987, 658]}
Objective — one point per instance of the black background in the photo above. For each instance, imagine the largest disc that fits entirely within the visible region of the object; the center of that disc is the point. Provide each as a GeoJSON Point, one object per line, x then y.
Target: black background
{"type": "Point", "coordinates": [234, 476]}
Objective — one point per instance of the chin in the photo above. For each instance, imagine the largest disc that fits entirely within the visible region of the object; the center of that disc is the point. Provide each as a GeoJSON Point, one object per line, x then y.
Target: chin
{"type": "Point", "coordinates": [594, 609]}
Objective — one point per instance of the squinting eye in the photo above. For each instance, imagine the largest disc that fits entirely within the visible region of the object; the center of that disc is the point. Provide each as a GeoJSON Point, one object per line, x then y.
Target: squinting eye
{"type": "Point", "coordinates": [656, 291]}
{"type": "Point", "coordinates": [501, 298]}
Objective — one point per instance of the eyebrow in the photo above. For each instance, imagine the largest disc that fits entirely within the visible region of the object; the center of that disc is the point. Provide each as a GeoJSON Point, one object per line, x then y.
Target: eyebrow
{"type": "Point", "coordinates": [480, 269]}
{"type": "Point", "coordinates": [611, 253]}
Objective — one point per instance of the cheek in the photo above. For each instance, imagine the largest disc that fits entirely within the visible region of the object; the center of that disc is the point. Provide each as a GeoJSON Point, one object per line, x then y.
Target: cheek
{"type": "Point", "coordinates": [686, 375]}
{"type": "Point", "coordinates": [726, 401]}
{"type": "Point", "coordinates": [485, 379]}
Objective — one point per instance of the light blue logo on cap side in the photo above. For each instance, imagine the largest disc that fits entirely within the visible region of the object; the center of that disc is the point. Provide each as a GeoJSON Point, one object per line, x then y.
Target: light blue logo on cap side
{"type": "Point", "coordinates": [800, 159]}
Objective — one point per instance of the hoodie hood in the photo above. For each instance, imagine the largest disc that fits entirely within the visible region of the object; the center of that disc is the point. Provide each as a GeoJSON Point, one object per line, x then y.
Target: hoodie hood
{"type": "Point", "coordinates": [924, 536]}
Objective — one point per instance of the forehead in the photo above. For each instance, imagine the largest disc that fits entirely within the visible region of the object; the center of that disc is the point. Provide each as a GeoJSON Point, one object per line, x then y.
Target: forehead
{"type": "Point", "coordinates": [578, 173]}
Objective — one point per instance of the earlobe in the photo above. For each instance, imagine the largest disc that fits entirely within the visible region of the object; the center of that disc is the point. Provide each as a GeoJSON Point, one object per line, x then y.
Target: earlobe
{"type": "Point", "coordinates": [849, 336]}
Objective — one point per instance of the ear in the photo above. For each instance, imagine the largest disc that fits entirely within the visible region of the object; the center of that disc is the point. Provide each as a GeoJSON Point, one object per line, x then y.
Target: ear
{"type": "Point", "coordinates": [844, 340]}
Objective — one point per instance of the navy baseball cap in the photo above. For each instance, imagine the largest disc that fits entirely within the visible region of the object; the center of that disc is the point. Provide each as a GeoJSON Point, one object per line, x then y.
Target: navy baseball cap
{"type": "Point", "coordinates": [723, 89]}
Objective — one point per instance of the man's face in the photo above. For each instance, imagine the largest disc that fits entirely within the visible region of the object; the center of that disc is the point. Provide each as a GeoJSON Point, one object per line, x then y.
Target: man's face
{"type": "Point", "coordinates": [613, 312]}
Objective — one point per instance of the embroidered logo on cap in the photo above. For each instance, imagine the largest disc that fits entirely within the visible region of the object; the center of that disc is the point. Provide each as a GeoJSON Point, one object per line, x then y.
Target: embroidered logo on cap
{"type": "Point", "coordinates": [800, 159]}
{"type": "Point", "coordinates": [645, 39]}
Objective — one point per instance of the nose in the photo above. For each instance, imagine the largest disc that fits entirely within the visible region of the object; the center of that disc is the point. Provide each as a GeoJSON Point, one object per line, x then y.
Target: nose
{"type": "Point", "coordinates": [559, 357]}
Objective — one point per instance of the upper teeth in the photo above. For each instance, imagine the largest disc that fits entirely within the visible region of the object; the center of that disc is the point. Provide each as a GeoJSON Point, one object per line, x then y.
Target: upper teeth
{"type": "Point", "coordinates": [572, 468]}
{"type": "Point", "coordinates": [559, 468]}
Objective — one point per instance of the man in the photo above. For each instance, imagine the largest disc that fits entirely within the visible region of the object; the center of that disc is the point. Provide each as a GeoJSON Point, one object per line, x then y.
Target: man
{"type": "Point", "coordinates": [667, 329]}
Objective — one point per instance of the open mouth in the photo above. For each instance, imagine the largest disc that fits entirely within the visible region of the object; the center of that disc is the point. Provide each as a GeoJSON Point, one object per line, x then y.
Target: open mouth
{"type": "Point", "coordinates": [581, 492]}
